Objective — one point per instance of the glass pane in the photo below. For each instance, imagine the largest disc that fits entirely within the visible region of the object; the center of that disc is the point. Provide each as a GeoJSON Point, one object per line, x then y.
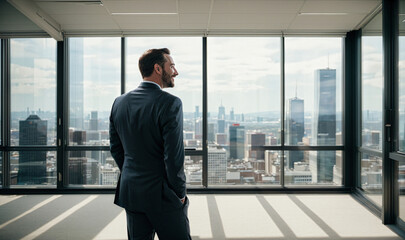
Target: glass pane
{"type": "Point", "coordinates": [92, 168]}
{"type": "Point", "coordinates": [313, 168]}
{"type": "Point", "coordinates": [401, 184]}
{"type": "Point", "coordinates": [371, 177]}
{"type": "Point", "coordinates": [313, 73]}
{"type": "Point", "coordinates": [401, 106]}
{"type": "Point", "coordinates": [401, 71]}
{"type": "Point", "coordinates": [243, 108]}
{"type": "Point", "coordinates": [33, 168]}
{"type": "Point", "coordinates": [33, 91]}
{"type": "Point", "coordinates": [94, 83]}
{"type": "Point", "coordinates": [193, 170]}
{"type": "Point", "coordinates": [187, 55]}
{"type": "Point", "coordinates": [372, 91]}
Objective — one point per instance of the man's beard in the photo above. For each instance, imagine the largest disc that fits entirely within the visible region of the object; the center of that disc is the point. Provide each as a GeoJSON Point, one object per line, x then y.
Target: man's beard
{"type": "Point", "coordinates": [166, 80]}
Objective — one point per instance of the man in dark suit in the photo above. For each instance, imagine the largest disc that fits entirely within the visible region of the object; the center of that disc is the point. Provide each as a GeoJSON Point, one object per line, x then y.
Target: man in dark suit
{"type": "Point", "coordinates": [146, 141]}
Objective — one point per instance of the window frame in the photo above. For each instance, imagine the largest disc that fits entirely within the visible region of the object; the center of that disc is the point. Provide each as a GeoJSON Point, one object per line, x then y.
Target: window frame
{"type": "Point", "coordinates": [62, 130]}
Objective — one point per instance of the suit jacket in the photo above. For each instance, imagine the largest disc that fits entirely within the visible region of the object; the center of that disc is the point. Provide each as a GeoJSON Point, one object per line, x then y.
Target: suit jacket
{"type": "Point", "coordinates": [146, 142]}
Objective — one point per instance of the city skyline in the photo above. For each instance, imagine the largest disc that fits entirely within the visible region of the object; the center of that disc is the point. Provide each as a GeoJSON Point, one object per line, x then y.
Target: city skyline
{"type": "Point", "coordinates": [250, 100]}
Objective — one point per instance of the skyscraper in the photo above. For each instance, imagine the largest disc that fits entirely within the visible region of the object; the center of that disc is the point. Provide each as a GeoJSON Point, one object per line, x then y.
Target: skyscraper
{"type": "Point", "coordinates": [32, 164]}
{"type": "Point", "coordinates": [216, 165]}
{"type": "Point", "coordinates": [236, 141]}
{"type": "Point", "coordinates": [294, 129]}
{"type": "Point", "coordinates": [198, 128]}
{"type": "Point", "coordinates": [257, 140]}
{"type": "Point", "coordinates": [221, 126]}
{"type": "Point", "coordinates": [221, 138]}
{"type": "Point", "coordinates": [77, 159]}
{"type": "Point", "coordinates": [93, 124]}
{"type": "Point", "coordinates": [324, 125]}
{"type": "Point", "coordinates": [221, 112]}
{"type": "Point", "coordinates": [76, 83]}
{"type": "Point", "coordinates": [211, 132]}
{"type": "Point", "coordinates": [197, 112]}
{"type": "Point", "coordinates": [232, 115]}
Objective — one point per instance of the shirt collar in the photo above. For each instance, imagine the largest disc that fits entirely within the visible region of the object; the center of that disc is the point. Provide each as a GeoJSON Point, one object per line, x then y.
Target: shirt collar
{"type": "Point", "coordinates": [152, 83]}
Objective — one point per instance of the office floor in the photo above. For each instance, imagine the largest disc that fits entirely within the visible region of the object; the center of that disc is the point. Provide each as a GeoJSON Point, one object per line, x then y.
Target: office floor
{"type": "Point", "coordinates": [281, 216]}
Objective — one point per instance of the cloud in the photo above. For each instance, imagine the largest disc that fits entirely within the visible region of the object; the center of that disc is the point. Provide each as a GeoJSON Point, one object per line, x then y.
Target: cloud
{"type": "Point", "coordinates": [238, 64]}
{"type": "Point", "coordinates": [27, 79]}
{"type": "Point", "coordinates": [99, 97]}
{"type": "Point", "coordinates": [26, 49]}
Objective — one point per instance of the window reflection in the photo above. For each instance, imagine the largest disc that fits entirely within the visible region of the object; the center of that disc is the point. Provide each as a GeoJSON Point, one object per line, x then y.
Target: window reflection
{"type": "Point", "coordinates": [371, 177]}
{"type": "Point", "coordinates": [37, 168]}
{"type": "Point", "coordinates": [92, 168]}
{"type": "Point", "coordinates": [94, 83]}
{"type": "Point", "coordinates": [372, 90]}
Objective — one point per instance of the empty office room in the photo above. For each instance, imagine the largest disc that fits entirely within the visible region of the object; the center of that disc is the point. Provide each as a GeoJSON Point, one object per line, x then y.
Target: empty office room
{"type": "Point", "coordinates": [219, 119]}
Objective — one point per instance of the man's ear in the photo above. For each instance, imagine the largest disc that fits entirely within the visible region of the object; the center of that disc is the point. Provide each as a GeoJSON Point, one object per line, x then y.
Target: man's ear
{"type": "Point", "coordinates": [158, 68]}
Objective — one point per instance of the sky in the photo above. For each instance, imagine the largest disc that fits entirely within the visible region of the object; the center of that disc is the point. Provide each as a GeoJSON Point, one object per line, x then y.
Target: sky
{"type": "Point", "coordinates": [243, 72]}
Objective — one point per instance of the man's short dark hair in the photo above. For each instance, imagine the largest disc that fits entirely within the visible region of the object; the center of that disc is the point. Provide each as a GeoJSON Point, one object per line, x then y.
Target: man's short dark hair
{"type": "Point", "coordinates": [149, 58]}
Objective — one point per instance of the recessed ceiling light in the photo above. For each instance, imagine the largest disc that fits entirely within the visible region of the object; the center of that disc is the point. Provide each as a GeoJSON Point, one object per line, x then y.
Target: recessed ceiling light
{"type": "Point", "coordinates": [129, 13]}
{"type": "Point", "coordinates": [329, 14]}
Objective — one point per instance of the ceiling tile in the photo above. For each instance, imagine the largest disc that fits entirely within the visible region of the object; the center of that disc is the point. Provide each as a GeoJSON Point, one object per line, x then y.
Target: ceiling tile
{"type": "Point", "coordinates": [340, 6]}
{"type": "Point", "coordinates": [345, 22]}
{"type": "Point", "coordinates": [256, 6]}
{"type": "Point", "coordinates": [83, 19]}
{"type": "Point", "coordinates": [87, 28]}
{"type": "Point", "coordinates": [141, 6]}
{"type": "Point", "coordinates": [193, 21]}
{"type": "Point", "coordinates": [129, 22]}
{"type": "Point", "coordinates": [194, 6]}
{"type": "Point", "coordinates": [71, 8]}
{"type": "Point", "coordinates": [250, 21]}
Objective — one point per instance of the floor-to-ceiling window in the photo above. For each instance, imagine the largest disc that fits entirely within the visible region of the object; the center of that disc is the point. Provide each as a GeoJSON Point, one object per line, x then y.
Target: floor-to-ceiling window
{"type": "Point", "coordinates": [33, 112]}
{"type": "Point", "coordinates": [370, 165]}
{"type": "Point", "coordinates": [244, 110]}
{"type": "Point", "coordinates": [274, 112]}
{"type": "Point", "coordinates": [94, 83]}
{"type": "Point", "coordinates": [313, 110]}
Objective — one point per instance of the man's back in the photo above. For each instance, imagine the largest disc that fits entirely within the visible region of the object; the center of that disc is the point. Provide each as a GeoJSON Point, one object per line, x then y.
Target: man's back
{"type": "Point", "coordinates": [146, 142]}
{"type": "Point", "coordinates": [144, 119]}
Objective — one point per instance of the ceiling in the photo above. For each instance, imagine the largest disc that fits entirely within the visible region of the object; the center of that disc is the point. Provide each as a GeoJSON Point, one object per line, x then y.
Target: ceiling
{"type": "Point", "coordinates": [203, 17]}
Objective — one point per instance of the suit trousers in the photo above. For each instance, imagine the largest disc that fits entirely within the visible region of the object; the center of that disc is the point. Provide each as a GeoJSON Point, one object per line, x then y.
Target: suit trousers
{"type": "Point", "coordinates": [170, 224]}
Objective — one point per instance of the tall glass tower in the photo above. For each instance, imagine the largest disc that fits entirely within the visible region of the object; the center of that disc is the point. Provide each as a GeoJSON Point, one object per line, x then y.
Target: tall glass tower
{"type": "Point", "coordinates": [221, 113]}
{"type": "Point", "coordinates": [32, 164]}
{"type": "Point", "coordinates": [295, 129]}
{"type": "Point", "coordinates": [324, 125]}
{"type": "Point", "coordinates": [236, 141]}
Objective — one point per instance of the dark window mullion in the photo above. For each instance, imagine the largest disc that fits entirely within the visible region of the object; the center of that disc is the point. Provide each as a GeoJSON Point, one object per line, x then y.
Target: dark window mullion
{"type": "Point", "coordinates": [5, 110]}
{"type": "Point", "coordinates": [60, 67]}
{"type": "Point", "coordinates": [87, 148]}
{"type": "Point", "coordinates": [123, 63]}
{"type": "Point", "coordinates": [205, 114]}
{"type": "Point", "coordinates": [282, 96]}
{"type": "Point", "coordinates": [65, 115]}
